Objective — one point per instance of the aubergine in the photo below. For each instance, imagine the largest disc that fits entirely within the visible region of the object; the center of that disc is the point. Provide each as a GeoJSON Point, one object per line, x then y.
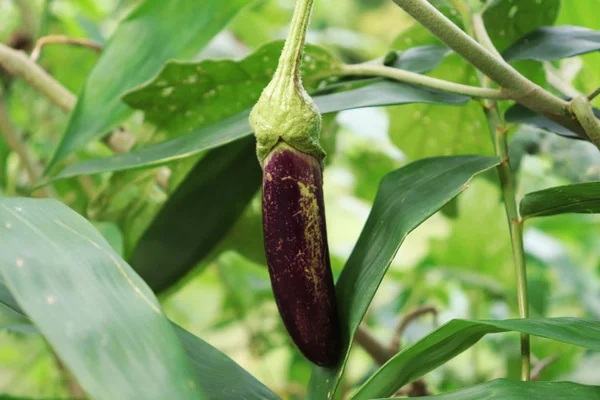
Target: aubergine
{"type": "Point", "coordinates": [297, 252]}
{"type": "Point", "coordinates": [287, 127]}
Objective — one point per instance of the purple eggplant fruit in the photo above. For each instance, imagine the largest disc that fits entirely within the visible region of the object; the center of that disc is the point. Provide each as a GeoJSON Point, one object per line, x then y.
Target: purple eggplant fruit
{"type": "Point", "coordinates": [297, 252]}
{"type": "Point", "coordinates": [287, 127]}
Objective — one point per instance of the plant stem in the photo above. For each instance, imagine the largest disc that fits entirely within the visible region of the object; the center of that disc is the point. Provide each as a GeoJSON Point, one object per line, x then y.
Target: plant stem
{"type": "Point", "coordinates": [582, 108]}
{"type": "Point", "coordinates": [594, 94]}
{"type": "Point", "coordinates": [518, 87]}
{"type": "Point", "coordinates": [291, 56]}
{"type": "Point", "coordinates": [35, 54]}
{"type": "Point", "coordinates": [499, 132]}
{"type": "Point", "coordinates": [17, 63]}
{"type": "Point", "coordinates": [418, 79]}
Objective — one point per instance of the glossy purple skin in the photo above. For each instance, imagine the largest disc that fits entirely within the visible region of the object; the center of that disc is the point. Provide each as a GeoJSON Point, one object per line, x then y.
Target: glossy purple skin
{"type": "Point", "coordinates": [297, 253]}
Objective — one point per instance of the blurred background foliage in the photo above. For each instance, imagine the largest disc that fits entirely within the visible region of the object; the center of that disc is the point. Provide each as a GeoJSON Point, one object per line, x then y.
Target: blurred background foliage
{"type": "Point", "coordinates": [458, 262]}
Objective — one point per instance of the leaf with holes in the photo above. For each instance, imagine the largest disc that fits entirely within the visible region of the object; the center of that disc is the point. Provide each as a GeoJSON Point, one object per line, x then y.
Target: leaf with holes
{"type": "Point", "coordinates": [158, 31]}
{"type": "Point", "coordinates": [188, 95]}
{"type": "Point", "coordinates": [406, 198]}
{"type": "Point", "coordinates": [583, 198]}
{"type": "Point", "coordinates": [508, 20]}
{"type": "Point", "coordinates": [379, 93]}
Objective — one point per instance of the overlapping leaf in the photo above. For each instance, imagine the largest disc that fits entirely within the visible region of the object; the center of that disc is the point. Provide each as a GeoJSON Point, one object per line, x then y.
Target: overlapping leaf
{"type": "Point", "coordinates": [505, 389]}
{"type": "Point", "coordinates": [551, 43]}
{"type": "Point", "coordinates": [197, 216]}
{"type": "Point", "coordinates": [379, 93]}
{"type": "Point", "coordinates": [406, 198]}
{"type": "Point", "coordinates": [100, 317]}
{"type": "Point", "coordinates": [577, 198]}
{"type": "Point", "coordinates": [508, 20]}
{"type": "Point", "coordinates": [60, 293]}
{"type": "Point", "coordinates": [458, 335]}
{"type": "Point", "coordinates": [151, 34]}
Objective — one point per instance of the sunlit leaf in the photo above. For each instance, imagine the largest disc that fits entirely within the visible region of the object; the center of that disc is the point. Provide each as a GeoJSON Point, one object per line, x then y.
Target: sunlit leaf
{"type": "Point", "coordinates": [508, 20]}
{"type": "Point", "coordinates": [100, 317]}
{"type": "Point", "coordinates": [152, 33]}
{"type": "Point", "coordinates": [376, 94]}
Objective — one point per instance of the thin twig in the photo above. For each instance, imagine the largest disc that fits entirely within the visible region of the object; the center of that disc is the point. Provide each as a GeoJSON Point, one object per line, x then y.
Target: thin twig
{"type": "Point", "coordinates": [594, 94]}
{"type": "Point", "coordinates": [35, 54]}
{"type": "Point", "coordinates": [418, 79]}
{"type": "Point", "coordinates": [379, 352]}
{"type": "Point", "coordinates": [541, 365]}
{"type": "Point", "coordinates": [17, 63]}
{"type": "Point", "coordinates": [499, 133]}
{"type": "Point", "coordinates": [406, 321]}
{"type": "Point", "coordinates": [519, 87]}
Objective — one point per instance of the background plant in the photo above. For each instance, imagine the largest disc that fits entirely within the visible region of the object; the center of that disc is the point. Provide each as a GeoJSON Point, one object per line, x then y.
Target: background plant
{"type": "Point", "coordinates": [171, 192]}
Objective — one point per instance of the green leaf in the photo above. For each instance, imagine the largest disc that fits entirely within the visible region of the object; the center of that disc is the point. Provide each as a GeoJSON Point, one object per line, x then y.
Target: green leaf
{"type": "Point", "coordinates": [505, 389]}
{"type": "Point", "coordinates": [189, 95]}
{"type": "Point", "coordinates": [424, 130]}
{"type": "Point", "coordinates": [406, 198]}
{"type": "Point", "coordinates": [519, 114]}
{"type": "Point", "coordinates": [418, 59]}
{"type": "Point", "coordinates": [508, 20]}
{"type": "Point", "coordinates": [458, 335]}
{"type": "Point", "coordinates": [152, 33]}
{"type": "Point", "coordinates": [100, 317]}
{"type": "Point", "coordinates": [221, 378]}
{"type": "Point", "coordinates": [577, 198]}
{"type": "Point", "coordinates": [198, 214]}
{"type": "Point", "coordinates": [551, 43]}
{"type": "Point", "coordinates": [375, 94]}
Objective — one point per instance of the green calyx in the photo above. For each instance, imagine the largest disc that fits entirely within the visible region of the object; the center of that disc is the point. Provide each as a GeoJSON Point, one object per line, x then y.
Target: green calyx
{"type": "Point", "coordinates": [284, 111]}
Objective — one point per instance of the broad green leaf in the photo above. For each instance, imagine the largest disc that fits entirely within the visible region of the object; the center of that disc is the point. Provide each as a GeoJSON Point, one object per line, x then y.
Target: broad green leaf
{"type": "Point", "coordinates": [189, 95]}
{"type": "Point", "coordinates": [519, 114]}
{"type": "Point", "coordinates": [198, 214]}
{"type": "Point", "coordinates": [508, 20]}
{"type": "Point", "coordinates": [576, 198]}
{"type": "Point", "coordinates": [406, 198]}
{"type": "Point", "coordinates": [425, 130]}
{"type": "Point", "coordinates": [100, 317]}
{"type": "Point", "coordinates": [551, 43]}
{"type": "Point", "coordinates": [219, 376]}
{"type": "Point", "coordinates": [505, 389]}
{"type": "Point", "coordinates": [376, 94]}
{"type": "Point", "coordinates": [458, 335]}
{"type": "Point", "coordinates": [152, 33]}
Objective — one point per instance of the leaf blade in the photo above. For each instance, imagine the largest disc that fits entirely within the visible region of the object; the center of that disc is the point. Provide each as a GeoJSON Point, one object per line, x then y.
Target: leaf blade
{"type": "Point", "coordinates": [425, 186]}
{"type": "Point", "coordinates": [110, 355]}
{"type": "Point", "coordinates": [180, 28]}
{"type": "Point", "coordinates": [503, 388]}
{"type": "Point", "coordinates": [458, 335]}
{"type": "Point", "coordinates": [236, 127]}
{"type": "Point", "coordinates": [576, 198]}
